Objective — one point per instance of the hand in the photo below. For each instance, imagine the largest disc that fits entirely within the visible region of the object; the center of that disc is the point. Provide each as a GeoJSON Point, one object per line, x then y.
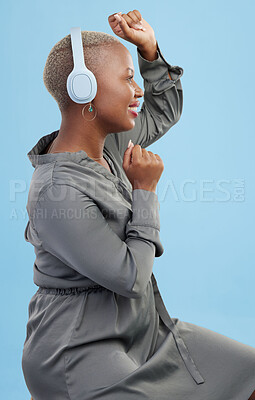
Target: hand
{"type": "Point", "coordinates": [125, 26]}
{"type": "Point", "coordinates": [143, 168]}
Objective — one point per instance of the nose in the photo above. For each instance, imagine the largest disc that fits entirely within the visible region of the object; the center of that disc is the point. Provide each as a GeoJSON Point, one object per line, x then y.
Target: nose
{"type": "Point", "coordinates": [138, 91]}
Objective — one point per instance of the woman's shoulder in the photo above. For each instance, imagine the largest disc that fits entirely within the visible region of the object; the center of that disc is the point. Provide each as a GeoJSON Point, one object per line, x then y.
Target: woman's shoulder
{"type": "Point", "coordinates": [69, 179]}
{"type": "Point", "coordinates": [65, 173]}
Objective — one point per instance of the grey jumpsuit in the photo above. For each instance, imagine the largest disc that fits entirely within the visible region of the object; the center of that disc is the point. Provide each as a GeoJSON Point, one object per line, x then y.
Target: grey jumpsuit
{"type": "Point", "coordinates": [98, 328]}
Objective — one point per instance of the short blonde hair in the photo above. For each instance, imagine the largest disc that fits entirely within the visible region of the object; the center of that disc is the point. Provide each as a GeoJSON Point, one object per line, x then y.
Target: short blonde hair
{"type": "Point", "coordinates": [59, 62]}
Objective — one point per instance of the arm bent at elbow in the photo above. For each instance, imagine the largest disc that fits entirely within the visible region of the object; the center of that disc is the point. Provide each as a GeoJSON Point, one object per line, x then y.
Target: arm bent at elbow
{"type": "Point", "coordinates": [74, 230]}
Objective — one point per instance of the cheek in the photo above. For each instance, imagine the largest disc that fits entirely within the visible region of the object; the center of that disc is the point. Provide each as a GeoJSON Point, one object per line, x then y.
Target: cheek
{"type": "Point", "coordinates": [112, 100]}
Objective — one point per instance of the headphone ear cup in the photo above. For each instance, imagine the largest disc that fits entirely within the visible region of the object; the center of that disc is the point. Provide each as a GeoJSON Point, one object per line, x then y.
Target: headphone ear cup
{"type": "Point", "coordinates": [81, 86]}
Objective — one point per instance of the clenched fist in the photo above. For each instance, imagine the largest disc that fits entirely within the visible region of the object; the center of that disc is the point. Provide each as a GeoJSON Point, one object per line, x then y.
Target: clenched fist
{"type": "Point", "coordinates": [143, 168]}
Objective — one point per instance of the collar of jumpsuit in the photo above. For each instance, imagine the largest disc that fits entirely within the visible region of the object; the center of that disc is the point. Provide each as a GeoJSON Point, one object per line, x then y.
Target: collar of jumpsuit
{"type": "Point", "coordinates": [117, 177]}
{"type": "Point", "coordinates": [37, 157]}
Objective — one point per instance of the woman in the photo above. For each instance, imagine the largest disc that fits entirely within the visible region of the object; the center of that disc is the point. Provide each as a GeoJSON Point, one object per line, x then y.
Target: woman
{"type": "Point", "coordinates": [98, 327]}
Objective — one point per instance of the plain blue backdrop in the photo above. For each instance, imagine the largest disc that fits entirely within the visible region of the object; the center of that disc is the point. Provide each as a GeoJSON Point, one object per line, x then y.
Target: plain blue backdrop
{"type": "Point", "coordinates": [206, 192]}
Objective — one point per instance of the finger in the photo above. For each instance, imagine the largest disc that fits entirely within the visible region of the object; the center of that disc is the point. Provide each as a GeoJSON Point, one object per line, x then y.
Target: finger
{"type": "Point", "coordinates": [114, 24]}
{"type": "Point", "coordinates": [133, 16]}
{"type": "Point", "coordinates": [145, 154]}
{"type": "Point", "coordinates": [138, 14]}
{"type": "Point", "coordinates": [137, 152]}
{"type": "Point", "coordinates": [117, 18]}
{"type": "Point", "coordinates": [152, 156]}
{"type": "Point", "coordinates": [123, 24]}
{"type": "Point", "coordinates": [158, 157]}
{"type": "Point", "coordinates": [128, 19]}
{"type": "Point", "coordinates": [132, 22]}
{"type": "Point", "coordinates": [127, 158]}
{"type": "Point", "coordinates": [111, 17]}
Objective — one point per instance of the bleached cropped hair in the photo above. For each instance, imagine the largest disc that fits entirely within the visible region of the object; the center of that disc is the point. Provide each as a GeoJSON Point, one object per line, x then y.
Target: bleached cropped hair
{"type": "Point", "coordinates": [59, 63]}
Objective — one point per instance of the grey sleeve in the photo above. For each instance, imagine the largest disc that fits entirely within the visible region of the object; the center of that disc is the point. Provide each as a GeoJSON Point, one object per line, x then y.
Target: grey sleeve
{"type": "Point", "coordinates": [162, 106]}
{"type": "Point", "coordinates": [73, 229]}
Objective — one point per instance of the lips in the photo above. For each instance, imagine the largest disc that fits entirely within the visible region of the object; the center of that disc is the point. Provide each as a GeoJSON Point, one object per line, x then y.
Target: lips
{"type": "Point", "coordinates": [133, 108]}
{"type": "Point", "coordinates": [133, 111]}
{"type": "Point", "coordinates": [135, 104]}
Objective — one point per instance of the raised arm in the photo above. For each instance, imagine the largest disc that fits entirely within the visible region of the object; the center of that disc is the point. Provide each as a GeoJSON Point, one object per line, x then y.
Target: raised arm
{"type": "Point", "coordinates": [163, 99]}
{"type": "Point", "coordinates": [89, 245]}
{"type": "Point", "coordinates": [162, 106]}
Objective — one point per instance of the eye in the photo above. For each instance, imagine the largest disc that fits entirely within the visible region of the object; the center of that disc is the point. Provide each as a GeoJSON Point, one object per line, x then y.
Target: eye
{"type": "Point", "coordinates": [130, 78]}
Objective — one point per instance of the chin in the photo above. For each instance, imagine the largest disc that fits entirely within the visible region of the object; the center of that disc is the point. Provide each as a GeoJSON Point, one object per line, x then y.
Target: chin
{"type": "Point", "coordinates": [131, 124]}
{"type": "Point", "coordinates": [128, 128]}
{"type": "Point", "coordinates": [123, 128]}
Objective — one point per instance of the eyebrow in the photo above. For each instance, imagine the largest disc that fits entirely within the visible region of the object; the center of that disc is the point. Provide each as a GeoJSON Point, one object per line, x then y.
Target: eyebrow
{"type": "Point", "coordinates": [130, 69]}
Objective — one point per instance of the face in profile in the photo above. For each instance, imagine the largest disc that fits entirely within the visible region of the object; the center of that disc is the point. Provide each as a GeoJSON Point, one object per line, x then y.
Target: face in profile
{"type": "Point", "coordinates": [116, 90]}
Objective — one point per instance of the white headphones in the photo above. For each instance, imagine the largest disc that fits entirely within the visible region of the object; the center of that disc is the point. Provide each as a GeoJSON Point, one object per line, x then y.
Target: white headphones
{"type": "Point", "coordinates": [81, 83]}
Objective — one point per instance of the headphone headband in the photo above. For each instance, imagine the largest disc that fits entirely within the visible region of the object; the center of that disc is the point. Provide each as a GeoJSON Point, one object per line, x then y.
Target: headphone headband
{"type": "Point", "coordinates": [77, 49]}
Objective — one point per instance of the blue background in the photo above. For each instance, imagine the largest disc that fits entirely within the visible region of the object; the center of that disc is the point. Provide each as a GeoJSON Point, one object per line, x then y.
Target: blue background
{"type": "Point", "coordinates": [206, 192]}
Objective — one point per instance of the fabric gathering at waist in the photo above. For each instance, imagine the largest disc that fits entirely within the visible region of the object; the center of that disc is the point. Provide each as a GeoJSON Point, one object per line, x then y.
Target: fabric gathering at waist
{"type": "Point", "coordinates": [180, 344]}
{"type": "Point", "coordinates": [70, 291]}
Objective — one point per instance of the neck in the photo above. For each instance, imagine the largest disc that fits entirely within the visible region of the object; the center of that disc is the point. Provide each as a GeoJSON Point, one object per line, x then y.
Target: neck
{"type": "Point", "coordinates": [75, 135]}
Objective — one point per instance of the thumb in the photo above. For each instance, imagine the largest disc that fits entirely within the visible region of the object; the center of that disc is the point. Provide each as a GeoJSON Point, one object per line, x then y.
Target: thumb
{"type": "Point", "coordinates": [127, 155]}
{"type": "Point", "coordinates": [123, 24]}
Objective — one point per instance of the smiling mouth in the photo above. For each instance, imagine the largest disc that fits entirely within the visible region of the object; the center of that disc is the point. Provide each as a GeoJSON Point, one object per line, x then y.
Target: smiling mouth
{"type": "Point", "coordinates": [132, 109]}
